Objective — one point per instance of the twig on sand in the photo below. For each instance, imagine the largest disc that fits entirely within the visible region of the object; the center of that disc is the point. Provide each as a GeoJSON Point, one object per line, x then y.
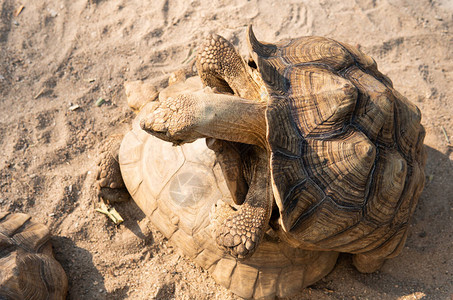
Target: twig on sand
{"type": "Point", "coordinates": [445, 135]}
{"type": "Point", "coordinates": [18, 10]}
{"type": "Point", "coordinates": [189, 55]}
{"type": "Point", "coordinates": [40, 93]}
{"type": "Point", "coordinates": [74, 107]}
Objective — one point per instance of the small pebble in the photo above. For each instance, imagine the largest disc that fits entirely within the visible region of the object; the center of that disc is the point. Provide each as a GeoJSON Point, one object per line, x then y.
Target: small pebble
{"type": "Point", "coordinates": [53, 13]}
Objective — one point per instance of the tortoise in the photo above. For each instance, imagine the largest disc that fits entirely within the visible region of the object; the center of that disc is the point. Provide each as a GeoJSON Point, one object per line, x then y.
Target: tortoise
{"type": "Point", "coordinates": [341, 153]}
{"type": "Point", "coordinates": [180, 189]}
{"type": "Point", "coordinates": [28, 269]}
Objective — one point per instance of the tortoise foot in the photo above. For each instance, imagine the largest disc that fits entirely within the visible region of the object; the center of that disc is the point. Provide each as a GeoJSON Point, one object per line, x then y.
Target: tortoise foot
{"type": "Point", "coordinates": [367, 264]}
{"type": "Point", "coordinates": [239, 231]}
{"type": "Point", "coordinates": [108, 179]}
{"type": "Point", "coordinates": [222, 68]}
{"type": "Point", "coordinates": [216, 59]}
{"type": "Point", "coordinates": [173, 119]}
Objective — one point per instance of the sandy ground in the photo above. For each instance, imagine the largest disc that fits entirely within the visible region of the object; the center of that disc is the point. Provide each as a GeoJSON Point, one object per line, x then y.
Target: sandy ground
{"type": "Point", "coordinates": [56, 54]}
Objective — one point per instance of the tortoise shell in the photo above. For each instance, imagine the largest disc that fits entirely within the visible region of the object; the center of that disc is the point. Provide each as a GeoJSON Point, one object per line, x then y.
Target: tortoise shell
{"type": "Point", "coordinates": [28, 269]}
{"type": "Point", "coordinates": [346, 149]}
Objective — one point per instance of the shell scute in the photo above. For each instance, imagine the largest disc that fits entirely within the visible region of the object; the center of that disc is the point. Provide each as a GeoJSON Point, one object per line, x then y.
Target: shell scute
{"type": "Point", "coordinates": [279, 114]}
{"type": "Point", "coordinates": [415, 181]}
{"type": "Point", "coordinates": [300, 199]}
{"type": "Point", "coordinates": [374, 112]}
{"type": "Point", "coordinates": [327, 220]}
{"type": "Point", "coordinates": [366, 62]}
{"type": "Point", "coordinates": [320, 101]}
{"type": "Point", "coordinates": [316, 50]}
{"type": "Point", "coordinates": [341, 166]}
{"type": "Point", "coordinates": [387, 187]}
{"type": "Point", "coordinates": [407, 126]}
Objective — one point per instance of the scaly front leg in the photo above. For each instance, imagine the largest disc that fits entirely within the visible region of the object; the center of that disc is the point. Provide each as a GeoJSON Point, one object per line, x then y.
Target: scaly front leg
{"type": "Point", "coordinates": [174, 119]}
{"type": "Point", "coordinates": [191, 116]}
{"type": "Point", "coordinates": [241, 229]}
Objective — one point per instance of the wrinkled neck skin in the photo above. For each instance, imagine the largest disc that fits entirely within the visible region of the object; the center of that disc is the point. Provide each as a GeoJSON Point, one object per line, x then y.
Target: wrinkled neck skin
{"type": "Point", "coordinates": [232, 118]}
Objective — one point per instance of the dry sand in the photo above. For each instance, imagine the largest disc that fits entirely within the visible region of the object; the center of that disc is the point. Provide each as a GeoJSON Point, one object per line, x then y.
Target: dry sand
{"type": "Point", "coordinates": [56, 54]}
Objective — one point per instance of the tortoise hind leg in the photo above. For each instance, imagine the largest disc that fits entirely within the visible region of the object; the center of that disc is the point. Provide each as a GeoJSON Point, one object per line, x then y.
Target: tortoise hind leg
{"type": "Point", "coordinates": [110, 185]}
{"type": "Point", "coordinates": [372, 261]}
{"type": "Point", "coordinates": [367, 264]}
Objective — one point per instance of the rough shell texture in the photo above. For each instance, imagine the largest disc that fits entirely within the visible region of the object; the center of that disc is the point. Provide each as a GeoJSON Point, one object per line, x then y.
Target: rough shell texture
{"type": "Point", "coordinates": [347, 152]}
{"type": "Point", "coordinates": [28, 269]}
{"type": "Point", "coordinates": [178, 187]}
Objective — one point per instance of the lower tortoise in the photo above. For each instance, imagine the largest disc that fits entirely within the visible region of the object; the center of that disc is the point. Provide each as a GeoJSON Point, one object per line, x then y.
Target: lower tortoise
{"type": "Point", "coordinates": [342, 151]}
{"type": "Point", "coordinates": [180, 189]}
{"type": "Point", "coordinates": [315, 146]}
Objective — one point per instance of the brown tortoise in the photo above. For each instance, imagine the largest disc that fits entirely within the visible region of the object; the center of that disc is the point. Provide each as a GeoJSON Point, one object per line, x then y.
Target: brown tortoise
{"type": "Point", "coordinates": [28, 269]}
{"type": "Point", "coordinates": [343, 149]}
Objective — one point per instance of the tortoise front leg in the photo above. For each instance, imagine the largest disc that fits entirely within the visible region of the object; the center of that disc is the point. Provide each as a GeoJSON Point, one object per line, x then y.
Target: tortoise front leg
{"type": "Point", "coordinates": [220, 66]}
{"type": "Point", "coordinates": [109, 182]}
{"type": "Point", "coordinates": [241, 229]}
{"type": "Point", "coordinates": [191, 116]}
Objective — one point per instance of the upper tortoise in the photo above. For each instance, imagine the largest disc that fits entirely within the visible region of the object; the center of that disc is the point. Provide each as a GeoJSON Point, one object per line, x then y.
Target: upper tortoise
{"type": "Point", "coordinates": [344, 152]}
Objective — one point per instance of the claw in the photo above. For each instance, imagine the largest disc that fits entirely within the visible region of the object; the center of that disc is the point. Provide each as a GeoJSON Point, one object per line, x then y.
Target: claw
{"type": "Point", "coordinates": [152, 124]}
{"type": "Point", "coordinates": [239, 242]}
